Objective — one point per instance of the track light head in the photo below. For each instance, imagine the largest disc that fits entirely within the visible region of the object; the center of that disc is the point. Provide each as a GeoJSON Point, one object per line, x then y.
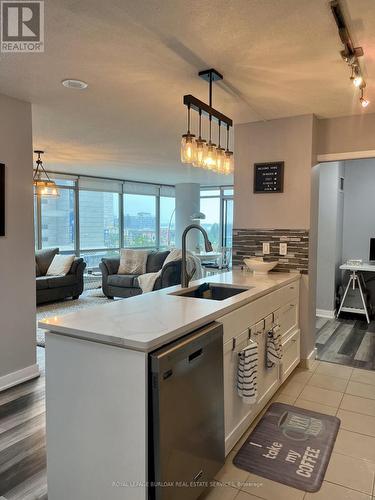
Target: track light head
{"type": "Point", "coordinates": [364, 102]}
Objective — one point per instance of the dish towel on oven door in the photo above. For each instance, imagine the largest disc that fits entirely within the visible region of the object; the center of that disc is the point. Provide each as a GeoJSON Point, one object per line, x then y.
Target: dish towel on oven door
{"type": "Point", "coordinates": [247, 373]}
{"type": "Point", "coordinates": [274, 347]}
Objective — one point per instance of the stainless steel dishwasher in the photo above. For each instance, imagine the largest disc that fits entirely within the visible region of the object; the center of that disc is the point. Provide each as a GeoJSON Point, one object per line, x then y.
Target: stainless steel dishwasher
{"type": "Point", "coordinates": [187, 415]}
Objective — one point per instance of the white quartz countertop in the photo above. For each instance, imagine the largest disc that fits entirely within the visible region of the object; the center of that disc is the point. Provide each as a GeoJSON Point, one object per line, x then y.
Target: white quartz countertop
{"type": "Point", "coordinates": [146, 322]}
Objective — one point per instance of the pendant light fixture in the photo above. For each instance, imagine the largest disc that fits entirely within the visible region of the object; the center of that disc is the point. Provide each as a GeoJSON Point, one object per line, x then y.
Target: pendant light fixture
{"type": "Point", "coordinates": [199, 152]}
{"type": "Point", "coordinates": [43, 185]}
{"type": "Point", "coordinates": [188, 145]}
{"type": "Point", "coordinates": [220, 154]}
{"type": "Point", "coordinates": [201, 146]}
{"type": "Point", "coordinates": [228, 158]}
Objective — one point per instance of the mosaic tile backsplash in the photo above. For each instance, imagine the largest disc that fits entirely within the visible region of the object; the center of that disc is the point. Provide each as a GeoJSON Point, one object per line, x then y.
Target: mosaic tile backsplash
{"type": "Point", "coordinates": [249, 243]}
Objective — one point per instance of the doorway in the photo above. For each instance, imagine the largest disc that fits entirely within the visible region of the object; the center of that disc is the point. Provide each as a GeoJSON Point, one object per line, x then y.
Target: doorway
{"type": "Point", "coordinates": [346, 224]}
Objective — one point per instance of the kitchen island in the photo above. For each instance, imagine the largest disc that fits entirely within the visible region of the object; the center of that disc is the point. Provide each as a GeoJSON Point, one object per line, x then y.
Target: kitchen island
{"type": "Point", "coordinates": [97, 384]}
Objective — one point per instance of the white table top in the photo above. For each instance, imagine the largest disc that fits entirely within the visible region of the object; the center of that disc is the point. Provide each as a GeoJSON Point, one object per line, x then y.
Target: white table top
{"type": "Point", "coordinates": [365, 266]}
{"type": "Point", "coordinates": [146, 322]}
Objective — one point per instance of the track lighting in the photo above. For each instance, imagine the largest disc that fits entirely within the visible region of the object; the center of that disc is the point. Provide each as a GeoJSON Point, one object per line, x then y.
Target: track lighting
{"type": "Point", "coordinates": [198, 152]}
{"type": "Point", "coordinates": [364, 102]}
{"type": "Point", "coordinates": [350, 54]}
{"type": "Point", "coordinates": [356, 77]}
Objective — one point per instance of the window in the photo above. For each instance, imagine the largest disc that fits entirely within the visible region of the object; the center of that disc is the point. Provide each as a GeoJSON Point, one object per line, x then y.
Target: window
{"type": "Point", "coordinates": [139, 220]}
{"type": "Point", "coordinates": [217, 205]}
{"type": "Point", "coordinates": [99, 220]}
{"type": "Point", "coordinates": [211, 208]}
{"type": "Point", "coordinates": [94, 257]}
{"type": "Point", "coordinates": [58, 221]}
{"type": "Point", "coordinates": [167, 222]}
{"type": "Point", "coordinates": [228, 222]}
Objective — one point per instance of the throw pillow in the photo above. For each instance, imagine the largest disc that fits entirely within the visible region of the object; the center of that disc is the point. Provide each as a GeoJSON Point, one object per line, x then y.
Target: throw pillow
{"type": "Point", "coordinates": [43, 259]}
{"type": "Point", "coordinates": [132, 261]}
{"type": "Point", "coordinates": [60, 266]}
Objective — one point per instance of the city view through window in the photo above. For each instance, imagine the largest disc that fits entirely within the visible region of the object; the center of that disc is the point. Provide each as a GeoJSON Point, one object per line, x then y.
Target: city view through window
{"type": "Point", "coordinates": [89, 222]}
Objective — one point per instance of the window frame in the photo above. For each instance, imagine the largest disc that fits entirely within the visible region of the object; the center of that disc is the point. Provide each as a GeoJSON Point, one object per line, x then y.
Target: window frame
{"type": "Point", "coordinates": [223, 197]}
{"type": "Point", "coordinates": [77, 250]}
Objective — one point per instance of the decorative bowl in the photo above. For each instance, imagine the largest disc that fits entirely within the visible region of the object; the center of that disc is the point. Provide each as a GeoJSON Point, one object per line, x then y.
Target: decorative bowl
{"type": "Point", "coordinates": [260, 266]}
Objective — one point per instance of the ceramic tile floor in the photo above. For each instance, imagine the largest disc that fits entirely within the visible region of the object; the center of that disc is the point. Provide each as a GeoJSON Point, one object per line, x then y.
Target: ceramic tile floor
{"type": "Point", "coordinates": [328, 388]}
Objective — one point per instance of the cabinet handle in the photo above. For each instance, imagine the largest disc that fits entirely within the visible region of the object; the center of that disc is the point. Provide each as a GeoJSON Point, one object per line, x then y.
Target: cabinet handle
{"type": "Point", "coordinates": [291, 288]}
{"type": "Point", "coordinates": [294, 341]}
{"type": "Point", "coordinates": [291, 306]}
{"type": "Point", "coordinates": [233, 344]}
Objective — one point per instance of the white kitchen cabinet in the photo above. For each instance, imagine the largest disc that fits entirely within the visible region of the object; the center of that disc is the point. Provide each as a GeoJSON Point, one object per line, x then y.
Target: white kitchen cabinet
{"type": "Point", "coordinates": [287, 317]}
{"type": "Point", "coordinates": [268, 378]}
{"type": "Point", "coordinates": [253, 321]}
{"type": "Point", "coordinates": [236, 411]}
{"type": "Point", "coordinates": [291, 355]}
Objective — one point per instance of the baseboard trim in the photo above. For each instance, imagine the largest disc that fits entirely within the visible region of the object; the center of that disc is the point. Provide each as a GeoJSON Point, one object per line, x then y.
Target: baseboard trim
{"type": "Point", "coordinates": [19, 376]}
{"type": "Point", "coordinates": [308, 362]}
{"type": "Point", "coordinates": [325, 313]}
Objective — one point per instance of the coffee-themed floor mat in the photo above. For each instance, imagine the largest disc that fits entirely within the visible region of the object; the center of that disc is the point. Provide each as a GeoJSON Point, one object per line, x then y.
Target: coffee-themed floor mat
{"type": "Point", "coordinates": [290, 445]}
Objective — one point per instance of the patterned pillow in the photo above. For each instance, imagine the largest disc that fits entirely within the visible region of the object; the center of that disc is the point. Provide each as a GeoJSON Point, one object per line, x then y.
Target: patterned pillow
{"type": "Point", "coordinates": [132, 261]}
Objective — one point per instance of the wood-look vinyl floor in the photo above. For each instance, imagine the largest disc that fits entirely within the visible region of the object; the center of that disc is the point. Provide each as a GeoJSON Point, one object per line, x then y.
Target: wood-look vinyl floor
{"type": "Point", "coordinates": [346, 341]}
{"type": "Point", "coordinates": [23, 474]}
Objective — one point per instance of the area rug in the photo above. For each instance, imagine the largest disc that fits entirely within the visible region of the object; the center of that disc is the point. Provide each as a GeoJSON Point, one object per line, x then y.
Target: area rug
{"type": "Point", "coordinates": [290, 445]}
{"type": "Point", "coordinates": [89, 298]}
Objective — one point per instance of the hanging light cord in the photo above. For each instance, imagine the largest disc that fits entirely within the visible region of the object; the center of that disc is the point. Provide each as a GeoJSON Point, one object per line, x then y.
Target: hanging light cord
{"type": "Point", "coordinates": [200, 123]}
{"type": "Point", "coordinates": [219, 133]}
{"type": "Point", "coordinates": [227, 137]}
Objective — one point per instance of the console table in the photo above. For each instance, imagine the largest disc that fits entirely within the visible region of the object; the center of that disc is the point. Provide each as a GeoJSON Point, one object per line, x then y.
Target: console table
{"type": "Point", "coordinates": [356, 277]}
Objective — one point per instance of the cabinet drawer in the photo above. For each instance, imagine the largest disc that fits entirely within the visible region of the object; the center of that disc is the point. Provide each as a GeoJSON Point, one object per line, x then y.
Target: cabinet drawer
{"type": "Point", "coordinates": [291, 355]}
{"type": "Point", "coordinates": [287, 317]}
{"type": "Point", "coordinates": [237, 321]}
{"type": "Point", "coordinates": [287, 293]}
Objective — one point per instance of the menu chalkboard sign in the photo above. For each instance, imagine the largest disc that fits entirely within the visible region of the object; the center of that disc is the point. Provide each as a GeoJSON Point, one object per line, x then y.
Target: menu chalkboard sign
{"type": "Point", "coordinates": [269, 177]}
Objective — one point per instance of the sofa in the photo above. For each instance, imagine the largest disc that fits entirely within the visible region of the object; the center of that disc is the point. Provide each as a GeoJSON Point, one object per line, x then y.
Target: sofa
{"type": "Point", "coordinates": [52, 288]}
{"type": "Point", "coordinates": [126, 285]}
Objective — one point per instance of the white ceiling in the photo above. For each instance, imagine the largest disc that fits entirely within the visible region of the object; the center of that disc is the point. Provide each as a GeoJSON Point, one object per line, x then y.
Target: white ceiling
{"type": "Point", "coordinates": [279, 58]}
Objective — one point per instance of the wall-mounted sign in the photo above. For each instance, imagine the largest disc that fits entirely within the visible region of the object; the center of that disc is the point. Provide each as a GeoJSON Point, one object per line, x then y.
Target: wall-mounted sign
{"type": "Point", "coordinates": [269, 177]}
{"type": "Point", "coordinates": [2, 199]}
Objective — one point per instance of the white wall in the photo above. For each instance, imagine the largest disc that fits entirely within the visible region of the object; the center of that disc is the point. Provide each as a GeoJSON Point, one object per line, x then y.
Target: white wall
{"type": "Point", "coordinates": [17, 304]}
{"type": "Point", "coordinates": [187, 203]}
{"type": "Point", "coordinates": [330, 236]}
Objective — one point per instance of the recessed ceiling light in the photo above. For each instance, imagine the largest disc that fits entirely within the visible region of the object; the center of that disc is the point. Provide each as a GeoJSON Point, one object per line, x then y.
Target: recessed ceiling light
{"type": "Point", "coordinates": [75, 84]}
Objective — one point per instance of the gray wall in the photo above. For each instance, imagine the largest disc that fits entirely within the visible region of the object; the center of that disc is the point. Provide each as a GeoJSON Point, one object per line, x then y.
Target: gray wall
{"type": "Point", "coordinates": [359, 210]}
{"type": "Point", "coordinates": [359, 214]}
{"type": "Point", "coordinates": [330, 235]}
{"type": "Point", "coordinates": [347, 134]}
{"type": "Point", "coordinates": [17, 304]}
{"type": "Point", "coordinates": [292, 140]}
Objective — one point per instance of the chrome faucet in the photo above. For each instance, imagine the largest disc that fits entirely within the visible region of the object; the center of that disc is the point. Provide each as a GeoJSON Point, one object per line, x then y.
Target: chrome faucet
{"type": "Point", "coordinates": [185, 277]}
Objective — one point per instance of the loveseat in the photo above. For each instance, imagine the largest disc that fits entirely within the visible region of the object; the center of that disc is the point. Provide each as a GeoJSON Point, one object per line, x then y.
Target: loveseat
{"type": "Point", "coordinates": [126, 285]}
{"type": "Point", "coordinates": [51, 288]}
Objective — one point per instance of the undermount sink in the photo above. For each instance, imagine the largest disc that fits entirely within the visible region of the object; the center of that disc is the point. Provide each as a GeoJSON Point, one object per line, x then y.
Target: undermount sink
{"type": "Point", "coordinates": [211, 291]}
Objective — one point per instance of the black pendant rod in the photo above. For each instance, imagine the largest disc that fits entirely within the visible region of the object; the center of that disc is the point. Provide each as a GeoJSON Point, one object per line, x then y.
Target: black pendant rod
{"type": "Point", "coordinates": [210, 76]}
{"type": "Point", "coordinates": [188, 130]}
